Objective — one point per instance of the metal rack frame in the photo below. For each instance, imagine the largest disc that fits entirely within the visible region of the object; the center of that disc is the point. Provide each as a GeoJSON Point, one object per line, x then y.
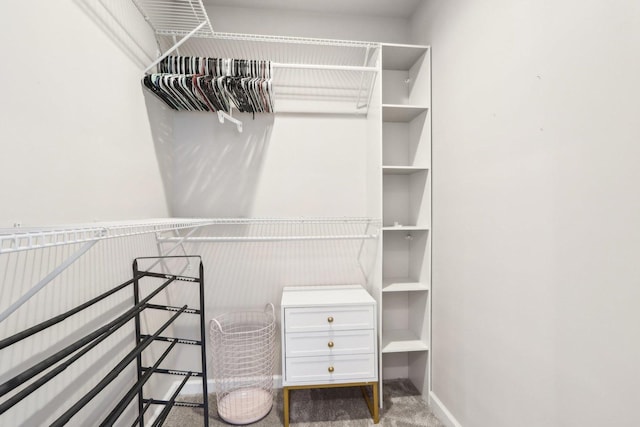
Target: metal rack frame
{"type": "Point", "coordinates": [144, 372]}
{"type": "Point", "coordinates": [61, 360]}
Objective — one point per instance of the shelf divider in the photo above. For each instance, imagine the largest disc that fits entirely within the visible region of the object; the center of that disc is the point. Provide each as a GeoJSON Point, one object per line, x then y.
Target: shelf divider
{"type": "Point", "coordinates": [402, 341]}
{"type": "Point", "coordinates": [402, 170]}
{"type": "Point", "coordinates": [401, 113]}
{"type": "Point", "coordinates": [403, 284]}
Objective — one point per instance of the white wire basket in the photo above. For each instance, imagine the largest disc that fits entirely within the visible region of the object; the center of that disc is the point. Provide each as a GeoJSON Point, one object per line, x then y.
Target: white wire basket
{"type": "Point", "coordinates": [243, 346]}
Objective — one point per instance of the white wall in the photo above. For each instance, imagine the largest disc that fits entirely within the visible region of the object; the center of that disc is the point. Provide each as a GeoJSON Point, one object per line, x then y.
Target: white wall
{"type": "Point", "coordinates": [76, 144]}
{"type": "Point", "coordinates": [535, 262]}
{"type": "Point", "coordinates": [292, 165]}
{"type": "Point", "coordinates": [75, 147]}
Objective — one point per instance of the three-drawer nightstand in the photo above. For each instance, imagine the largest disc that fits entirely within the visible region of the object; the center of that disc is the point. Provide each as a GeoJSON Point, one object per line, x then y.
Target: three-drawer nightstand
{"type": "Point", "coordinates": [329, 339]}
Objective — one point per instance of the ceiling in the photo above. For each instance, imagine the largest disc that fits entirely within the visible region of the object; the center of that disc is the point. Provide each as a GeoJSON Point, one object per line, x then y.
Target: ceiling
{"type": "Point", "coordinates": [385, 8]}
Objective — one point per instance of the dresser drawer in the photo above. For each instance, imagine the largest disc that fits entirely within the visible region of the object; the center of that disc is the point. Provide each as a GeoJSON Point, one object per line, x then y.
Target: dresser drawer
{"type": "Point", "coordinates": [329, 369]}
{"type": "Point", "coordinates": [328, 318]}
{"type": "Point", "coordinates": [329, 343]}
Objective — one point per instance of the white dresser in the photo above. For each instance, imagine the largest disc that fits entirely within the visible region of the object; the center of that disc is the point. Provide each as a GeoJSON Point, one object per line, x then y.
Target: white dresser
{"type": "Point", "coordinates": [329, 339]}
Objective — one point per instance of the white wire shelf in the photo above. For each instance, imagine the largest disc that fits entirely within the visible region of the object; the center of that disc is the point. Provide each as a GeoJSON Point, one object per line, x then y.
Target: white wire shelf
{"type": "Point", "coordinates": [230, 239]}
{"type": "Point", "coordinates": [236, 229]}
{"type": "Point", "coordinates": [309, 75]}
{"type": "Point", "coordinates": [282, 229]}
{"type": "Point", "coordinates": [402, 341]}
{"type": "Point", "coordinates": [300, 220]}
{"type": "Point", "coordinates": [335, 76]}
{"type": "Point", "coordinates": [176, 17]}
{"type": "Point", "coordinates": [24, 239]}
{"type": "Point", "coordinates": [279, 49]}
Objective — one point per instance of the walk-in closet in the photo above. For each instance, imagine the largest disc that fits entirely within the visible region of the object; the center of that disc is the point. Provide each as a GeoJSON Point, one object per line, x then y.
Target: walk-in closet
{"type": "Point", "coordinates": [286, 161]}
{"type": "Point", "coordinates": [364, 212]}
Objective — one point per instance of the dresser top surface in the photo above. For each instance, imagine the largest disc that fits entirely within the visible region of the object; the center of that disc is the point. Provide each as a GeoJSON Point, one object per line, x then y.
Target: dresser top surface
{"type": "Point", "coordinates": [309, 296]}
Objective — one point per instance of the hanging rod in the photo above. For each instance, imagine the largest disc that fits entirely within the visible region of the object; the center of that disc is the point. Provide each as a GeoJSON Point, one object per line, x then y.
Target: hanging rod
{"type": "Point", "coordinates": [293, 220]}
{"type": "Point", "coordinates": [325, 67]}
{"type": "Point", "coordinates": [365, 47]}
{"type": "Point", "coordinates": [287, 229]}
{"type": "Point", "coordinates": [292, 40]}
{"type": "Point", "coordinates": [295, 66]}
{"type": "Point", "coordinates": [221, 239]}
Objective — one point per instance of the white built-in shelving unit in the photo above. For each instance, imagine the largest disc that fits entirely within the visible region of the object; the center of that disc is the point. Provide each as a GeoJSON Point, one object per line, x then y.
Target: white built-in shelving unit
{"type": "Point", "coordinates": [406, 200]}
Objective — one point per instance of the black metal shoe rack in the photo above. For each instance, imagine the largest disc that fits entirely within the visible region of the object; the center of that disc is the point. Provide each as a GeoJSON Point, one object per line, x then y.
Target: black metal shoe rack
{"type": "Point", "coordinates": [79, 348]}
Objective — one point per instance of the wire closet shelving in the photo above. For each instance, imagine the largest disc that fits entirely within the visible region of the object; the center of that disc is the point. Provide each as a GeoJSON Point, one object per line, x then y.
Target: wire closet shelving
{"type": "Point", "coordinates": [24, 239]}
{"type": "Point", "coordinates": [176, 232]}
{"type": "Point", "coordinates": [282, 229]}
{"type": "Point", "coordinates": [311, 75]}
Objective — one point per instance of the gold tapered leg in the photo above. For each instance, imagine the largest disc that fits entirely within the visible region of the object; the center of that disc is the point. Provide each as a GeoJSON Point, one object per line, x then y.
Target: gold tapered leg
{"type": "Point", "coordinates": [372, 403]}
{"type": "Point", "coordinates": [285, 394]}
{"type": "Point", "coordinates": [376, 404]}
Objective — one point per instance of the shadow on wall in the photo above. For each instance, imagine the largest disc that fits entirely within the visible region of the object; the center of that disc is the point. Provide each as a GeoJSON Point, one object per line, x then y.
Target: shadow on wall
{"type": "Point", "coordinates": [208, 168]}
{"type": "Point", "coordinates": [161, 125]}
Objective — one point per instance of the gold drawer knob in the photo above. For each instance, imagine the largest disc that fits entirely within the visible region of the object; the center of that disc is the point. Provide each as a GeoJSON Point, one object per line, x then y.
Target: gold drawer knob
{"type": "Point", "coordinates": [330, 369]}
{"type": "Point", "coordinates": [330, 319]}
{"type": "Point", "coordinates": [330, 344]}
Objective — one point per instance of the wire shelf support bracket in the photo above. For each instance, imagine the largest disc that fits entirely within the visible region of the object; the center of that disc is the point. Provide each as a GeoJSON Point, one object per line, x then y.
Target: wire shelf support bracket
{"type": "Point", "coordinates": [176, 17]}
{"type": "Point", "coordinates": [186, 18]}
{"type": "Point", "coordinates": [222, 116]}
{"type": "Point", "coordinates": [39, 238]}
{"type": "Point", "coordinates": [46, 280]}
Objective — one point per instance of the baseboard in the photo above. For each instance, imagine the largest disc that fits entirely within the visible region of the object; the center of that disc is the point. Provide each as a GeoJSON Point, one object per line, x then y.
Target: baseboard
{"type": "Point", "coordinates": [195, 386]}
{"type": "Point", "coordinates": [442, 412]}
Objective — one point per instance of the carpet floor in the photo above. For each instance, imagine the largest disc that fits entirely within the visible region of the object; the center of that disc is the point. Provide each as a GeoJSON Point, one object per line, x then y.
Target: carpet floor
{"type": "Point", "coordinates": [336, 407]}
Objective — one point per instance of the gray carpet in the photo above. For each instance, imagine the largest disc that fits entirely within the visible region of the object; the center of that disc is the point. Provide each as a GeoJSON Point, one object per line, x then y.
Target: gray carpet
{"type": "Point", "coordinates": [403, 407]}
